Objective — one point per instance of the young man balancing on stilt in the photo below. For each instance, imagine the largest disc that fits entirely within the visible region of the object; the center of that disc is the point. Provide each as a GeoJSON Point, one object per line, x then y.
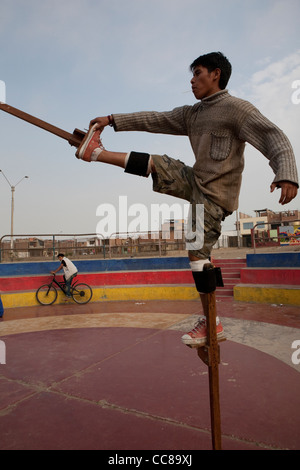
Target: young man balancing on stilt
{"type": "Point", "coordinates": [218, 127]}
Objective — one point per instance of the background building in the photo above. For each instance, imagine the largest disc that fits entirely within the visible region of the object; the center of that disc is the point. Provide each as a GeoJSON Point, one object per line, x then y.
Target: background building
{"type": "Point", "coordinates": [269, 227]}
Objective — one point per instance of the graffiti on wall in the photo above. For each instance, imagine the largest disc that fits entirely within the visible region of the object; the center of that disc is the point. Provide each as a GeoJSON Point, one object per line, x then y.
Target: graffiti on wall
{"type": "Point", "coordinates": [289, 235]}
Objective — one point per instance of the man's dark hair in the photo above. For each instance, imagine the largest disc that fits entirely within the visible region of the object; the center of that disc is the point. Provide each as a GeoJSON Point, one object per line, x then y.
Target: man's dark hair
{"type": "Point", "coordinates": [60, 255]}
{"type": "Point", "coordinates": [212, 61]}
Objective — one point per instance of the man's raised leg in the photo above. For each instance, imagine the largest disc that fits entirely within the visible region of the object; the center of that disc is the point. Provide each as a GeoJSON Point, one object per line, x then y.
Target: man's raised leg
{"type": "Point", "coordinates": [92, 150]}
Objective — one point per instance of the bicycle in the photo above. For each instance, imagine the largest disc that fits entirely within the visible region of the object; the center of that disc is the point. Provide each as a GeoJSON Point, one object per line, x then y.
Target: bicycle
{"type": "Point", "coordinates": [80, 292]}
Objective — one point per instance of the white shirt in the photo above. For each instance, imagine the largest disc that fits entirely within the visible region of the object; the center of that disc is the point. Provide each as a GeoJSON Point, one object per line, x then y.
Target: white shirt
{"type": "Point", "coordinates": [69, 268]}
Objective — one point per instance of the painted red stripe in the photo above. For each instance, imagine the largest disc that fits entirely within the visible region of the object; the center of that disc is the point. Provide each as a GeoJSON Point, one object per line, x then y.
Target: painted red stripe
{"type": "Point", "coordinates": [271, 276]}
{"type": "Point", "coordinates": [102, 279]}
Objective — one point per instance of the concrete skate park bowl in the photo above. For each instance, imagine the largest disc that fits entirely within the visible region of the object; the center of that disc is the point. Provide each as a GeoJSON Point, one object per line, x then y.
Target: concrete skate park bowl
{"type": "Point", "coordinates": [114, 375]}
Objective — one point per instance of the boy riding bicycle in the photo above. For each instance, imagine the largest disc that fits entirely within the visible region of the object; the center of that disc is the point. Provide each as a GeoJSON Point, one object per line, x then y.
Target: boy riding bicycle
{"type": "Point", "coordinates": [70, 271]}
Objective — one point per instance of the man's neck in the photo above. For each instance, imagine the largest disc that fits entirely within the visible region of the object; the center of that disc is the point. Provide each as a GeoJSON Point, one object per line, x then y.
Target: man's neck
{"type": "Point", "coordinates": [215, 95]}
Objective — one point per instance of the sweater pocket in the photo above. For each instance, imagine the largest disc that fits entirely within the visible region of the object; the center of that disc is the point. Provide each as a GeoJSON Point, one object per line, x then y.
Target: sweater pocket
{"type": "Point", "coordinates": [220, 146]}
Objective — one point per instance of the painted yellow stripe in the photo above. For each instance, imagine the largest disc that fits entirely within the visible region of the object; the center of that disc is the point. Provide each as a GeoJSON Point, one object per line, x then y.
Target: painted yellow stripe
{"type": "Point", "coordinates": [266, 294]}
{"type": "Point", "coordinates": [149, 293]}
{"type": "Point", "coordinates": [28, 299]}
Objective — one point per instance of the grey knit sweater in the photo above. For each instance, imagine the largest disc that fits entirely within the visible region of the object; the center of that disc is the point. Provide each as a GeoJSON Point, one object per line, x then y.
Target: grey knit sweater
{"type": "Point", "coordinates": [218, 128]}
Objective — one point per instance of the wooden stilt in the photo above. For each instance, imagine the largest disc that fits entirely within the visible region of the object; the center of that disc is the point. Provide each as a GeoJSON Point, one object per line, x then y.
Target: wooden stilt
{"type": "Point", "coordinates": [73, 139]}
{"type": "Point", "coordinates": [212, 350]}
{"type": "Point", "coordinates": [210, 355]}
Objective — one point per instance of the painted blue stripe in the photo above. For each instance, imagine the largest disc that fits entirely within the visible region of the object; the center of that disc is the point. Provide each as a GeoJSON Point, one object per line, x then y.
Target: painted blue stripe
{"type": "Point", "coordinates": [90, 266]}
{"type": "Point", "coordinates": [274, 260]}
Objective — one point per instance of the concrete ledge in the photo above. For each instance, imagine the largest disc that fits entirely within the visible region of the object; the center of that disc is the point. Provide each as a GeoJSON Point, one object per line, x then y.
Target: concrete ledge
{"type": "Point", "coordinates": [271, 294]}
{"type": "Point", "coordinates": [264, 276]}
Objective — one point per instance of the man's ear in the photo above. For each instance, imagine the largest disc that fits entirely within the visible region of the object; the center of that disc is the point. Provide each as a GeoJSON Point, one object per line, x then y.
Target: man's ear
{"type": "Point", "coordinates": [216, 74]}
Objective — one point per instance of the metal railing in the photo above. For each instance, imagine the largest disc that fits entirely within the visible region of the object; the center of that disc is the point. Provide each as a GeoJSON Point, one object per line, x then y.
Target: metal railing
{"type": "Point", "coordinates": [45, 247]}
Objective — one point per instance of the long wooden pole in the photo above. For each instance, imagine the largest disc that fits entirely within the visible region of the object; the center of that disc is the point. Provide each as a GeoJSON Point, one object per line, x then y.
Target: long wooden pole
{"type": "Point", "coordinates": [73, 139]}
{"type": "Point", "coordinates": [213, 351]}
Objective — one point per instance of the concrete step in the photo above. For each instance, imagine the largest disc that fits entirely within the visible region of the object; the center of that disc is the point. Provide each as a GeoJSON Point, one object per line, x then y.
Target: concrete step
{"type": "Point", "coordinates": [231, 272]}
{"type": "Point", "coordinates": [230, 262]}
{"type": "Point", "coordinates": [231, 269]}
{"type": "Point", "coordinates": [268, 293]}
{"type": "Point", "coordinates": [223, 292]}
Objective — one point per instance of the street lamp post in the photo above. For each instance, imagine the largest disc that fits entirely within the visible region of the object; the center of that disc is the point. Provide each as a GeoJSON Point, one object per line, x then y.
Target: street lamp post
{"type": "Point", "coordinates": [13, 188]}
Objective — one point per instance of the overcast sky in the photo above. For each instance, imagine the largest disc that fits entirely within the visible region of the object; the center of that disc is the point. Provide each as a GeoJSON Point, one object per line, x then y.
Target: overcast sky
{"type": "Point", "coordinates": [69, 61]}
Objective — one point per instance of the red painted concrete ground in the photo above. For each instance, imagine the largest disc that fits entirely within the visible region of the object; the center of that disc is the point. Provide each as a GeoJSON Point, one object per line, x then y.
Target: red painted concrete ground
{"type": "Point", "coordinates": [135, 388]}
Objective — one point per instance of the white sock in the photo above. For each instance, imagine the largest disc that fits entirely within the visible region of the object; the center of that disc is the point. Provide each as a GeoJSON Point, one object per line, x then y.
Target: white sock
{"type": "Point", "coordinates": [198, 265]}
{"type": "Point", "coordinates": [126, 159]}
{"type": "Point", "coordinates": [96, 154]}
{"type": "Point", "coordinates": [149, 166]}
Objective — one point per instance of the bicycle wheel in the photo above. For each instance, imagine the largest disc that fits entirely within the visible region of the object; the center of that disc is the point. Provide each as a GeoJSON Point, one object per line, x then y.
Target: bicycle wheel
{"type": "Point", "coordinates": [81, 293]}
{"type": "Point", "coordinates": [46, 294]}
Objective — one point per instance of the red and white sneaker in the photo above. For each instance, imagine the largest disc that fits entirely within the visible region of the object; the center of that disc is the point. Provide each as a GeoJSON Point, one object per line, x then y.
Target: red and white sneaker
{"type": "Point", "coordinates": [197, 336]}
{"type": "Point", "coordinates": [91, 146]}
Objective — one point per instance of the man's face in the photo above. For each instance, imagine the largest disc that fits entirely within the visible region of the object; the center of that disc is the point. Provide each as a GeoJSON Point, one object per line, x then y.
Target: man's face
{"type": "Point", "coordinates": [205, 83]}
